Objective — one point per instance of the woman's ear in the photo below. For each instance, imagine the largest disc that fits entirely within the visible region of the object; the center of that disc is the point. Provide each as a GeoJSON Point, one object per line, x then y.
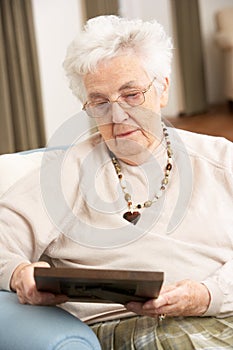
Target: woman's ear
{"type": "Point", "coordinates": [164, 94]}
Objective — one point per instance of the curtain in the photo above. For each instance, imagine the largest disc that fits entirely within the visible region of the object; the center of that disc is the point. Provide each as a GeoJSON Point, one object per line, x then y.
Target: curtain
{"type": "Point", "coordinates": [191, 55]}
{"type": "Point", "coordinates": [21, 111]}
{"type": "Point", "coordinates": [101, 7]}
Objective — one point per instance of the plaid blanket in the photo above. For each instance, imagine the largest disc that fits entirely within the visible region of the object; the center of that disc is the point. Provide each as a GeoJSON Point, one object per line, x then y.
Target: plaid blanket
{"type": "Point", "coordinates": [175, 333]}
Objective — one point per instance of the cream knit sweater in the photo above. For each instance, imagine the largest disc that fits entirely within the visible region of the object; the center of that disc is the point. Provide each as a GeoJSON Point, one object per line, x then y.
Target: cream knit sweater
{"type": "Point", "coordinates": [71, 211]}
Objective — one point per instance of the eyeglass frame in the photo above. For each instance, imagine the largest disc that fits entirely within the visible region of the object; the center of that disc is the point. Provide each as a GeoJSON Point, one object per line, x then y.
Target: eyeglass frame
{"type": "Point", "coordinates": [108, 101]}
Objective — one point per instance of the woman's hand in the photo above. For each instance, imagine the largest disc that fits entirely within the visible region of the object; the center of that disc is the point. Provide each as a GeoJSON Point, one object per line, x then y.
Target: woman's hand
{"type": "Point", "coordinates": [23, 283]}
{"type": "Point", "coordinates": [184, 298]}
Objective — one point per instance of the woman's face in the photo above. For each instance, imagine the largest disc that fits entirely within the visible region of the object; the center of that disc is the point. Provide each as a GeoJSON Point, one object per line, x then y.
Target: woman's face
{"type": "Point", "coordinates": [132, 131]}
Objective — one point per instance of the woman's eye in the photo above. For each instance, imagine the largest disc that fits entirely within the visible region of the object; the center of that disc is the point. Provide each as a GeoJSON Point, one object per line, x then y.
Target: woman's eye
{"type": "Point", "coordinates": [132, 95]}
{"type": "Point", "coordinates": [100, 104]}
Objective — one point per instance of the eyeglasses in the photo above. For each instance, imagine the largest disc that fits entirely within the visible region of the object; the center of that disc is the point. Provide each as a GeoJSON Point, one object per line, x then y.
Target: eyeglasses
{"type": "Point", "coordinates": [129, 99]}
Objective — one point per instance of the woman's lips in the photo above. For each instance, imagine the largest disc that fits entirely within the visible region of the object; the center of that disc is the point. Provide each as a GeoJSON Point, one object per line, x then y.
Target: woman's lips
{"type": "Point", "coordinates": [126, 133]}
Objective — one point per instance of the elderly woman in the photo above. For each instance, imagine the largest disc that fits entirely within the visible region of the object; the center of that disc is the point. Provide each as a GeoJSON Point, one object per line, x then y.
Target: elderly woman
{"type": "Point", "coordinates": [140, 195]}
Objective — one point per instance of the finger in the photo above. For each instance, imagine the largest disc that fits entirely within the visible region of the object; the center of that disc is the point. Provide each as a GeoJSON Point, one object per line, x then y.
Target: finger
{"type": "Point", "coordinates": [43, 298]}
{"type": "Point", "coordinates": [167, 302]}
{"type": "Point", "coordinates": [161, 301]}
{"type": "Point", "coordinates": [60, 299]}
{"type": "Point", "coordinates": [26, 288]}
{"type": "Point", "coordinates": [32, 296]}
{"type": "Point", "coordinates": [166, 289]}
{"type": "Point", "coordinates": [135, 307]}
{"type": "Point", "coordinates": [147, 308]}
{"type": "Point", "coordinates": [174, 310]}
{"type": "Point", "coordinates": [170, 297]}
{"type": "Point", "coordinates": [25, 278]}
{"type": "Point", "coordinates": [139, 309]}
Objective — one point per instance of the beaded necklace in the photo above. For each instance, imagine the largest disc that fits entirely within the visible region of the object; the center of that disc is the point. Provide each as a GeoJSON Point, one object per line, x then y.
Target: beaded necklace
{"type": "Point", "coordinates": [131, 215]}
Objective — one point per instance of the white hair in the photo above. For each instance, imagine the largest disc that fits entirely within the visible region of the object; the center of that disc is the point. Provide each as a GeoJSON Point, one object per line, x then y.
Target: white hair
{"type": "Point", "coordinates": [105, 37]}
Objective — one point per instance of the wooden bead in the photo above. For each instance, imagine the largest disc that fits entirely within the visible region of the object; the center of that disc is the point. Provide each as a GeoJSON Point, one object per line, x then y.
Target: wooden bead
{"type": "Point", "coordinates": [169, 152]}
{"type": "Point", "coordinates": [147, 204]}
{"type": "Point", "coordinates": [127, 197]}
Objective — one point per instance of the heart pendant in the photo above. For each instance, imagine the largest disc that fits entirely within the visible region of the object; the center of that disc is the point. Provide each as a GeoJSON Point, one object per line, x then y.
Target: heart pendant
{"type": "Point", "coordinates": [132, 217]}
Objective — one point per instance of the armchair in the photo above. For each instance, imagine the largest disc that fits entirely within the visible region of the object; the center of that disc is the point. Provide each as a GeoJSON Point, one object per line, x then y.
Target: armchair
{"type": "Point", "coordinates": [224, 40]}
{"type": "Point", "coordinates": [27, 327]}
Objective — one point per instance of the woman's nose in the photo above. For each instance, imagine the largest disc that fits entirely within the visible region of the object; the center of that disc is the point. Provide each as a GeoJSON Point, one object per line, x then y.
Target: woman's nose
{"type": "Point", "coordinates": [118, 113]}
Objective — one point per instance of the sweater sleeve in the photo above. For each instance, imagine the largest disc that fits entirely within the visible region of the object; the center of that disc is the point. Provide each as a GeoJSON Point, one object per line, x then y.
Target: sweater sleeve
{"type": "Point", "coordinates": [220, 286]}
{"type": "Point", "coordinates": [25, 228]}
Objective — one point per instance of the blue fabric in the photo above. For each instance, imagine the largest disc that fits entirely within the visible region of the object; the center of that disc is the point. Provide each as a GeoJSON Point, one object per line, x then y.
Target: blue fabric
{"type": "Point", "coordinates": [26, 327]}
{"type": "Point", "coordinates": [44, 149]}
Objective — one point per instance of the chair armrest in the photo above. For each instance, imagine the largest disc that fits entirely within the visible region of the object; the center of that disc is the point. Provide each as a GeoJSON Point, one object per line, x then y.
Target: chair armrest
{"type": "Point", "coordinates": [26, 327]}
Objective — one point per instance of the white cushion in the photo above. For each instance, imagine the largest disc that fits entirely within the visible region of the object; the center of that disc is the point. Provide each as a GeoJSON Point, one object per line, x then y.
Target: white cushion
{"type": "Point", "coordinates": [16, 165]}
